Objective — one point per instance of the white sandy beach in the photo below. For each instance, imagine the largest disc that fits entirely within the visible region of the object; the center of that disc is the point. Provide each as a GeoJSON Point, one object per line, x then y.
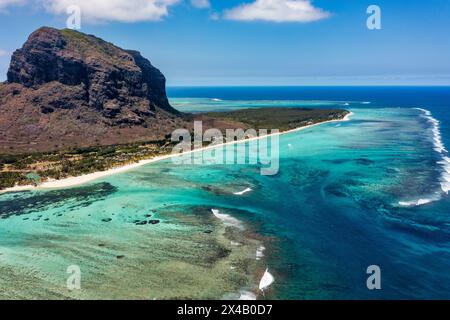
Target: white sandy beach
{"type": "Point", "coordinates": [74, 181]}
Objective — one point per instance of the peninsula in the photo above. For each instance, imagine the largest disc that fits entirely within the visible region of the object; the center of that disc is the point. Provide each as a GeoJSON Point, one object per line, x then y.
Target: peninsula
{"type": "Point", "coordinates": [76, 105]}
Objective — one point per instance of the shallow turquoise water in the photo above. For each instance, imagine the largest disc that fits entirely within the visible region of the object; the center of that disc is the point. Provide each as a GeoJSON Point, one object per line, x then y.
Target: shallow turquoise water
{"type": "Point", "coordinates": [215, 104]}
{"type": "Point", "coordinates": [331, 211]}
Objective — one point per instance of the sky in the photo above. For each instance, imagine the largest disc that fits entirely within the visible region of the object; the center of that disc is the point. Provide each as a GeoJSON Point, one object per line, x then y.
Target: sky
{"type": "Point", "coordinates": [257, 42]}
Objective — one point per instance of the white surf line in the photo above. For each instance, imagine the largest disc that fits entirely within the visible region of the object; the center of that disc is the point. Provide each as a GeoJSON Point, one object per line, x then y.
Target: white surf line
{"type": "Point", "coordinates": [227, 219]}
{"type": "Point", "coordinates": [240, 193]}
{"type": "Point", "coordinates": [419, 202]}
{"type": "Point", "coordinates": [444, 163]}
{"type": "Point", "coordinates": [82, 179]}
{"type": "Point", "coordinates": [439, 148]}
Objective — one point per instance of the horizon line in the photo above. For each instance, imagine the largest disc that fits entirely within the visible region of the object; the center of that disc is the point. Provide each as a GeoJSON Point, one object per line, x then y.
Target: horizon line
{"type": "Point", "coordinates": [305, 85]}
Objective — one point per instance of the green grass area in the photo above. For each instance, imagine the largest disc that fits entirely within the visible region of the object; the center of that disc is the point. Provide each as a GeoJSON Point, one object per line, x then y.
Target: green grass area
{"type": "Point", "coordinates": [84, 44]}
{"type": "Point", "coordinates": [58, 165]}
{"type": "Point", "coordinates": [280, 118]}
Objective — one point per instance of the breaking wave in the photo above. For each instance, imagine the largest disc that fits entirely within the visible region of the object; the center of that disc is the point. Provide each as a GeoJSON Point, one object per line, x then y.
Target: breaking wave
{"type": "Point", "coordinates": [443, 163]}
{"type": "Point", "coordinates": [439, 147]}
{"type": "Point", "coordinates": [227, 219]}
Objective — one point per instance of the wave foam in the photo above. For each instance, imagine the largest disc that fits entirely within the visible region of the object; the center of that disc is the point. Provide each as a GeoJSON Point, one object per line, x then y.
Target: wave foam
{"type": "Point", "coordinates": [439, 147]}
{"type": "Point", "coordinates": [444, 163]}
{"type": "Point", "coordinates": [247, 295]}
{"type": "Point", "coordinates": [227, 219]}
{"type": "Point", "coordinates": [260, 252]}
{"type": "Point", "coordinates": [240, 193]}
{"type": "Point", "coordinates": [417, 202]}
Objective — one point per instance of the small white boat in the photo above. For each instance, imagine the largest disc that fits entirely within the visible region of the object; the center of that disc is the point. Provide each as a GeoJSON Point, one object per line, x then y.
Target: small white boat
{"type": "Point", "coordinates": [266, 280]}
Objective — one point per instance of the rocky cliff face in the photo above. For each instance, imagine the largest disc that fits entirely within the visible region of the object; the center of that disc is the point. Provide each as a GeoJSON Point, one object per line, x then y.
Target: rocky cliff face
{"type": "Point", "coordinates": [111, 80]}
{"type": "Point", "coordinates": [62, 77]}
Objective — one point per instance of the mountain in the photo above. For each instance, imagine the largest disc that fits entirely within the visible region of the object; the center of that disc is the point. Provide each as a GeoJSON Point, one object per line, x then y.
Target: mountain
{"type": "Point", "coordinates": [67, 89]}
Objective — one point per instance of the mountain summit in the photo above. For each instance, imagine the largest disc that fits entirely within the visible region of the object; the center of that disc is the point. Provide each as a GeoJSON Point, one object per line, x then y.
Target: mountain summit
{"type": "Point", "coordinates": [68, 89]}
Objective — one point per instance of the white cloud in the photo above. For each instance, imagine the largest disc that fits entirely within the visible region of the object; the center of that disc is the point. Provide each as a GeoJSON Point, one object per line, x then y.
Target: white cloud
{"type": "Point", "coordinates": [106, 10]}
{"type": "Point", "coordinates": [3, 53]}
{"type": "Point", "coordinates": [114, 10]}
{"type": "Point", "coordinates": [277, 11]}
{"type": "Point", "coordinates": [200, 4]}
{"type": "Point", "coordinates": [6, 3]}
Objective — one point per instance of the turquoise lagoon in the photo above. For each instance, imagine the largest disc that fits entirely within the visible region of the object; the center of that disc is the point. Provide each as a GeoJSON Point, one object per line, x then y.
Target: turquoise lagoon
{"type": "Point", "coordinates": [348, 195]}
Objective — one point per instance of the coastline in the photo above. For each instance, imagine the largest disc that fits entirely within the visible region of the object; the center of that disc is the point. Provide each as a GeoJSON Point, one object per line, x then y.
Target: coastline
{"type": "Point", "coordinates": [78, 180]}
